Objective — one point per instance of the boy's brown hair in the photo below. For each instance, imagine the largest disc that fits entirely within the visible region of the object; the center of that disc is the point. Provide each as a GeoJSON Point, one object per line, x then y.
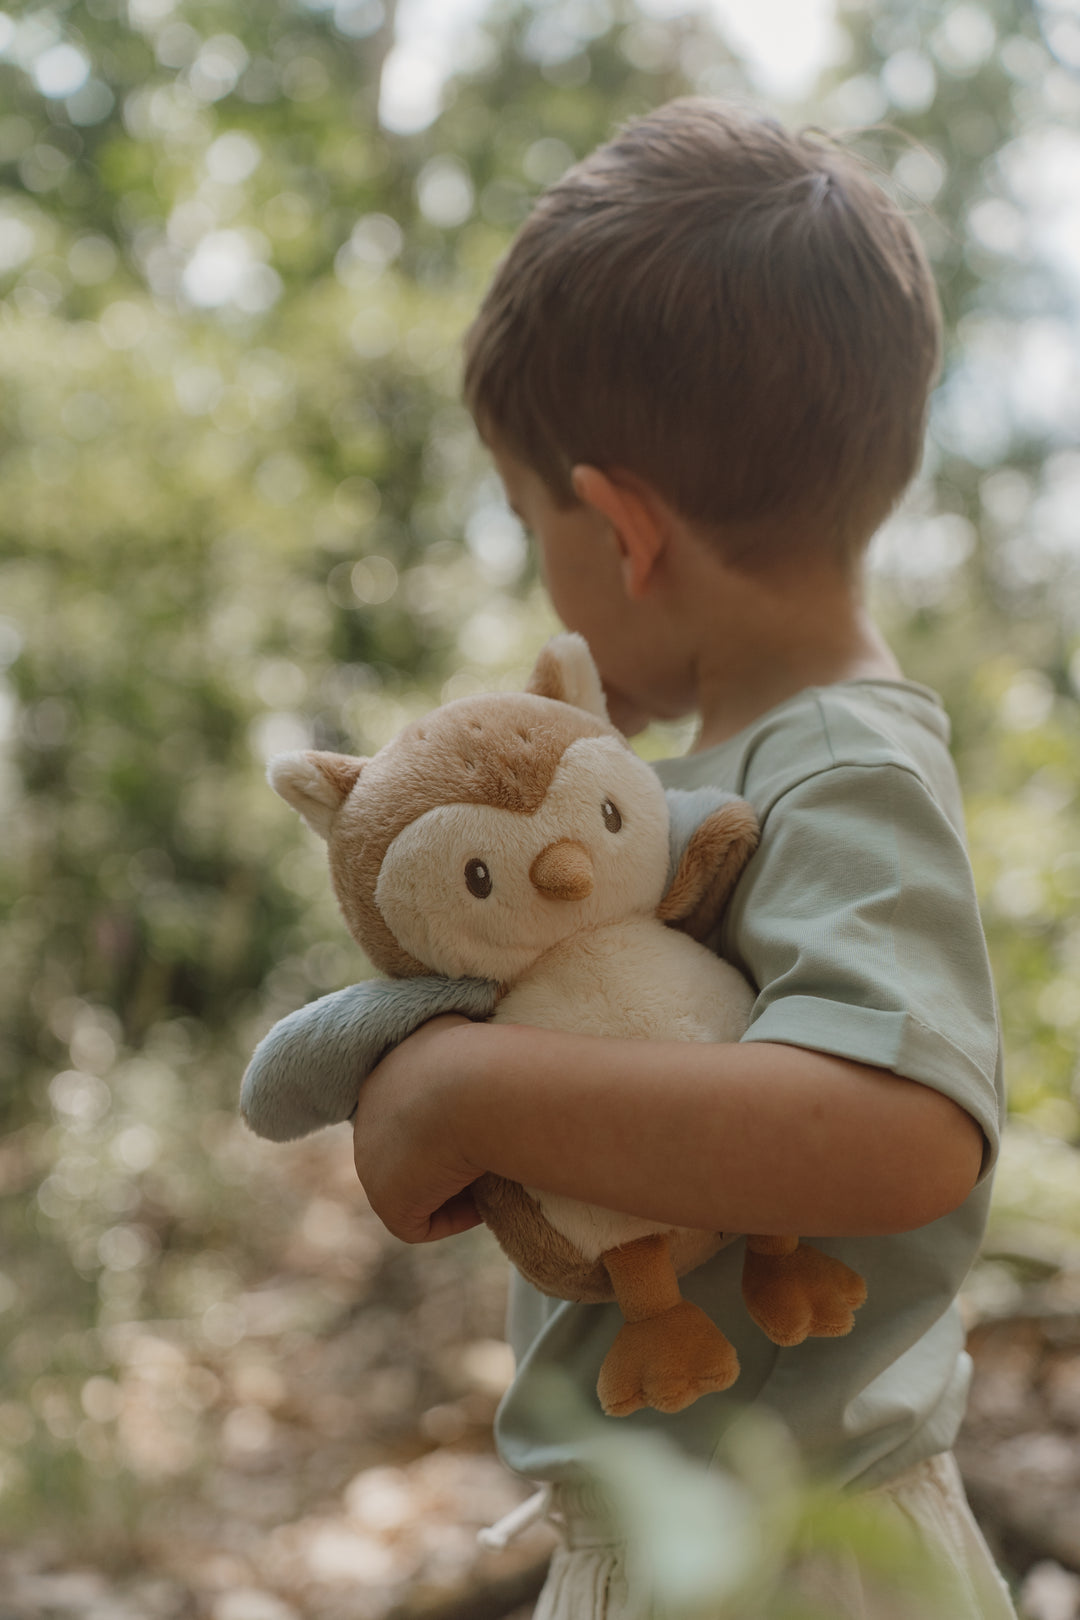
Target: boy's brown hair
{"type": "Point", "coordinates": [737, 314]}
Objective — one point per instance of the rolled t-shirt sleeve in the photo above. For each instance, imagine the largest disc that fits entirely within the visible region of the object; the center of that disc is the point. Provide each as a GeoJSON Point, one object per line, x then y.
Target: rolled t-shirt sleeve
{"type": "Point", "coordinates": [857, 921]}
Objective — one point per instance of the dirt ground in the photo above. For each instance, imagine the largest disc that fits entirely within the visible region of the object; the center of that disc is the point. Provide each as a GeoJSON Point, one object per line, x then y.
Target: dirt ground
{"type": "Point", "coordinates": [319, 1447]}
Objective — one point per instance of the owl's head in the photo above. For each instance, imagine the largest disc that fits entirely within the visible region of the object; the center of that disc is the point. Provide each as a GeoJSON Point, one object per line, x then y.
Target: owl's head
{"type": "Point", "coordinates": [498, 826]}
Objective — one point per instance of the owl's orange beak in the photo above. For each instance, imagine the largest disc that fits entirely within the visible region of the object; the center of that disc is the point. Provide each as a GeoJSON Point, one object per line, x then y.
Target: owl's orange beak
{"type": "Point", "coordinates": [564, 870]}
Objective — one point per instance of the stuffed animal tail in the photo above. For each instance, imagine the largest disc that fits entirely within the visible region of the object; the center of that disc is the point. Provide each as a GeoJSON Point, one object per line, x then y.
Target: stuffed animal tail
{"type": "Point", "coordinates": [307, 1072]}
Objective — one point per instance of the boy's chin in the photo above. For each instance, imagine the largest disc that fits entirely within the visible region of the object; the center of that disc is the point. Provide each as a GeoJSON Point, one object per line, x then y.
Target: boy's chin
{"type": "Point", "coordinates": [626, 713]}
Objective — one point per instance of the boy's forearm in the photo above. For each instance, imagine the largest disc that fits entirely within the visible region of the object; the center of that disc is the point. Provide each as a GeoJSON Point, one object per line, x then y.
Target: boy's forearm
{"type": "Point", "coordinates": [753, 1137]}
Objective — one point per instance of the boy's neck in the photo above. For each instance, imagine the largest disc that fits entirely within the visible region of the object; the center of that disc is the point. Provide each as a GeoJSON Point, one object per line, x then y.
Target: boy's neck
{"type": "Point", "coordinates": [728, 705]}
{"type": "Point", "coordinates": [781, 632]}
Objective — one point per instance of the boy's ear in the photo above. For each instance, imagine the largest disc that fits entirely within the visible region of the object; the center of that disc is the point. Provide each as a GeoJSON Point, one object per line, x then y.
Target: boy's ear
{"type": "Point", "coordinates": [635, 514]}
{"type": "Point", "coordinates": [565, 671]}
{"type": "Point", "coordinates": [316, 784]}
{"type": "Point", "coordinates": [711, 865]}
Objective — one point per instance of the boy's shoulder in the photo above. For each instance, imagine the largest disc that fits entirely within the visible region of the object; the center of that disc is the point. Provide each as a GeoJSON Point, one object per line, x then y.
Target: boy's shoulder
{"type": "Point", "coordinates": [862, 725]}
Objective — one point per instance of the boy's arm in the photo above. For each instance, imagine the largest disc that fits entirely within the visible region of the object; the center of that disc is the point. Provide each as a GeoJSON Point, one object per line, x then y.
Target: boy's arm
{"type": "Point", "coordinates": [754, 1137]}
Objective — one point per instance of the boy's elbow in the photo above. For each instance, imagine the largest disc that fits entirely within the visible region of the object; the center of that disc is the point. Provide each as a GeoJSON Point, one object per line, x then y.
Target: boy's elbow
{"type": "Point", "coordinates": [944, 1164]}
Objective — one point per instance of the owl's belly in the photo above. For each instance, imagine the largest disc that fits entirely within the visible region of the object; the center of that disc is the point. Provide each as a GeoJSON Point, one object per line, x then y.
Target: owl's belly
{"type": "Point", "coordinates": [593, 1230]}
{"type": "Point", "coordinates": [637, 979]}
{"type": "Point", "coordinates": [640, 980]}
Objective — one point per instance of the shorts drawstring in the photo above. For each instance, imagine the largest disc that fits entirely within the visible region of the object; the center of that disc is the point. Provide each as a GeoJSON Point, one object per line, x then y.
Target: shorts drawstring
{"type": "Point", "coordinates": [517, 1521]}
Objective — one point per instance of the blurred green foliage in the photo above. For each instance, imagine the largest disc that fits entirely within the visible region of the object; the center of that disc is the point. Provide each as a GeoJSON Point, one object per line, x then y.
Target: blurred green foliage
{"type": "Point", "coordinates": [748, 1538]}
{"type": "Point", "coordinates": [244, 510]}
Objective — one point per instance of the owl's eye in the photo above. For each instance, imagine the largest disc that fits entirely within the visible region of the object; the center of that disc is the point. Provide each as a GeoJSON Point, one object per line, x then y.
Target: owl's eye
{"type": "Point", "coordinates": [612, 818]}
{"type": "Point", "coordinates": [478, 879]}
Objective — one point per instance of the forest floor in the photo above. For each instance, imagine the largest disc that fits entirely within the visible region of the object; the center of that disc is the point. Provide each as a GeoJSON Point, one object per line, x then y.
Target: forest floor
{"type": "Point", "coordinates": [320, 1447]}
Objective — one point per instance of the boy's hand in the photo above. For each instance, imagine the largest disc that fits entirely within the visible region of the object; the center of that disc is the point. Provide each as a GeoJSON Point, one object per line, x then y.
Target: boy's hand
{"type": "Point", "coordinates": [415, 1176]}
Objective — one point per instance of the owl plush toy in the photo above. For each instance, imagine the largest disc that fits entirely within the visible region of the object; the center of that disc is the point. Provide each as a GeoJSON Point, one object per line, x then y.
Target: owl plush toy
{"type": "Point", "coordinates": [510, 857]}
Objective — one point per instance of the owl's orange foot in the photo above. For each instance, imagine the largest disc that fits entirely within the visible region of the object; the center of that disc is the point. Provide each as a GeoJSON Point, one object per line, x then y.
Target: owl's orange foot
{"type": "Point", "coordinates": [794, 1296]}
{"type": "Point", "coordinates": [666, 1362]}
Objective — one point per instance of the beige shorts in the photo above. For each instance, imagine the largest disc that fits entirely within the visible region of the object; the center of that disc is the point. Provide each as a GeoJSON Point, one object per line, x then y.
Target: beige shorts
{"type": "Point", "coordinates": [927, 1501]}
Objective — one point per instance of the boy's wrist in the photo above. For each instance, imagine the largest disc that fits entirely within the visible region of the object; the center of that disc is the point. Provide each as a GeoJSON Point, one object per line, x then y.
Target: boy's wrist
{"type": "Point", "coordinates": [483, 1065]}
{"type": "Point", "coordinates": [465, 1091]}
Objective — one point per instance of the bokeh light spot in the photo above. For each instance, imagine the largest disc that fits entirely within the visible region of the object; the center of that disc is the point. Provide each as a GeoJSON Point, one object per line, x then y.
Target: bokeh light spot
{"type": "Point", "coordinates": [60, 71]}
{"type": "Point", "coordinates": [444, 192]}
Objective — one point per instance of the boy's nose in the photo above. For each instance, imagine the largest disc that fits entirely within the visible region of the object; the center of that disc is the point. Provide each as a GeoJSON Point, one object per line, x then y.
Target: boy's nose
{"type": "Point", "coordinates": [564, 870]}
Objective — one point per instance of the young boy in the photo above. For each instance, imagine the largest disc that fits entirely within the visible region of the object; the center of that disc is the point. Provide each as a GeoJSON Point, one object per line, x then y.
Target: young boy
{"type": "Point", "coordinates": [703, 370]}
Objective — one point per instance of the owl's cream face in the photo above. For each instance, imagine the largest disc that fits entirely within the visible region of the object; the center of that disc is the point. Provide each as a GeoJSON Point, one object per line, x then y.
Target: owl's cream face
{"type": "Point", "coordinates": [472, 889]}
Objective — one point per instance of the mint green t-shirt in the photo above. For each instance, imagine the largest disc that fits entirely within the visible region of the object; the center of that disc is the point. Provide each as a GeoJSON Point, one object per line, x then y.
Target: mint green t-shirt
{"type": "Point", "coordinates": [857, 923]}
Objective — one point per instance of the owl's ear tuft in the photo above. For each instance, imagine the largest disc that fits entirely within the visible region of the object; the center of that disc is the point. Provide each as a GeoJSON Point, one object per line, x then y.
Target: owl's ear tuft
{"type": "Point", "coordinates": [314, 783]}
{"type": "Point", "coordinates": [565, 671]}
{"type": "Point", "coordinates": [709, 868]}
